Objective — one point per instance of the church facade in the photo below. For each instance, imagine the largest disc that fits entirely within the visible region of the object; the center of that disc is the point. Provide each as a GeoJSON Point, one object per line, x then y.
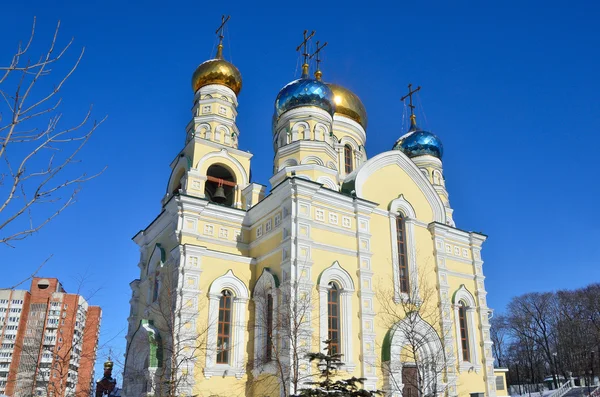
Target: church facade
{"type": "Point", "coordinates": [237, 285]}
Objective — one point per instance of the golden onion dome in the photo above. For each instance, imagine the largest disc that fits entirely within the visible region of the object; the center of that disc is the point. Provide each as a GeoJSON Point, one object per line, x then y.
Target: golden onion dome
{"type": "Point", "coordinates": [349, 104]}
{"type": "Point", "coordinates": [217, 71]}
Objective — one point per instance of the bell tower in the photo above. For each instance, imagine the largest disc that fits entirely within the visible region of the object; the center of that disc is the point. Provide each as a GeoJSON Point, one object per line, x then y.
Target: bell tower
{"type": "Point", "coordinates": [211, 166]}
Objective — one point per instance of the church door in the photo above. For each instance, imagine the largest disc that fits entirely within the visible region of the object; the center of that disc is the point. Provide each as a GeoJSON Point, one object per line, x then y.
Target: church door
{"type": "Point", "coordinates": [410, 379]}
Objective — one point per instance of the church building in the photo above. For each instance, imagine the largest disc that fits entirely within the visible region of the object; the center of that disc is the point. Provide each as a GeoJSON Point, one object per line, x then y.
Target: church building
{"type": "Point", "coordinates": [239, 280]}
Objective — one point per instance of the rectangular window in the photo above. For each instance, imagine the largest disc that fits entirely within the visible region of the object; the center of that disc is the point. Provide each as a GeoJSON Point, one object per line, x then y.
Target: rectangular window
{"type": "Point", "coordinates": [464, 341]}
{"type": "Point", "coordinates": [277, 219]}
{"type": "Point", "coordinates": [269, 341]}
{"type": "Point", "coordinates": [499, 383]}
{"type": "Point", "coordinates": [206, 109]}
{"type": "Point", "coordinates": [224, 328]}
{"type": "Point", "coordinates": [333, 319]}
{"type": "Point", "coordinates": [348, 159]}
{"type": "Point", "coordinates": [268, 226]}
{"type": "Point", "coordinates": [259, 231]}
{"type": "Point", "coordinates": [402, 262]}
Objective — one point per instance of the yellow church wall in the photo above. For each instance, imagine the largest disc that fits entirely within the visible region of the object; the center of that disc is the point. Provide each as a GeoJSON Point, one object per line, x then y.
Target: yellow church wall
{"type": "Point", "coordinates": [388, 182]}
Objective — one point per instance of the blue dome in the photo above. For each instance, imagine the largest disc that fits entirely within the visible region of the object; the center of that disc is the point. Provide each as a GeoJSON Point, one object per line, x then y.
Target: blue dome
{"type": "Point", "coordinates": [419, 143]}
{"type": "Point", "coordinates": [305, 92]}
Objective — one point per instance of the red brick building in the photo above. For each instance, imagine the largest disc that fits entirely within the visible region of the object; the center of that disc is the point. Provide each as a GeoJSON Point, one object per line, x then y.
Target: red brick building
{"type": "Point", "coordinates": [48, 341]}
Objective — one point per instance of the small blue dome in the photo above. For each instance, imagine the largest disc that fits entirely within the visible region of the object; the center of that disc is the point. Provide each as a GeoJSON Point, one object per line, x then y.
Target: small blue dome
{"type": "Point", "coordinates": [304, 92]}
{"type": "Point", "coordinates": [418, 143]}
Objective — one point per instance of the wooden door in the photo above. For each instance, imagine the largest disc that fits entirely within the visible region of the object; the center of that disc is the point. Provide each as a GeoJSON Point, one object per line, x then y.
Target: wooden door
{"type": "Point", "coordinates": [410, 379]}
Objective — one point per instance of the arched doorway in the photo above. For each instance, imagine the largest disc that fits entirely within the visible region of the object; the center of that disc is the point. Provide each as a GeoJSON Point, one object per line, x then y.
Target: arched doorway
{"type": "Point", "coordinates": [220, 185]}
{"type": "Point", "coordinates": [414, 359]}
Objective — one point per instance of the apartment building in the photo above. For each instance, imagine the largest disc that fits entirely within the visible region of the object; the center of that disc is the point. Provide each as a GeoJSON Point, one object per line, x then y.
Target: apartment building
{"type": "Point", "coordinates": [48, 341]}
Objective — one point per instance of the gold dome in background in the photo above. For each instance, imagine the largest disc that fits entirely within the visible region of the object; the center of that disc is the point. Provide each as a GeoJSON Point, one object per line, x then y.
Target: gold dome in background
{"type": "Point", "coordinates": [349, 104]}
{"type": "Point", "coordinates": [217, 71]}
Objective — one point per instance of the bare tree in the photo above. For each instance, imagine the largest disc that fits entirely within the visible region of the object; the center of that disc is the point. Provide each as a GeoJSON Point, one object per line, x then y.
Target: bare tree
{"type": "Point", "coordinates": [283, 331]}
{"type": "Point", "coordinates": [499, 335]}
{"type": "Point", "coordinates": [415, 320]}
{"type": "Point", "coordinates": [37, 152]}
{"type": "Point", "coordinates": [533, 317]}
{"type": "Point", "coordinates": [180, 340]}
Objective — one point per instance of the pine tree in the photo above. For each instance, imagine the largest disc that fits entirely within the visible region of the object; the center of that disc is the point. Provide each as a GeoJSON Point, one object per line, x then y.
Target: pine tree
{"type": "Point", "coordinates": [329, 364]}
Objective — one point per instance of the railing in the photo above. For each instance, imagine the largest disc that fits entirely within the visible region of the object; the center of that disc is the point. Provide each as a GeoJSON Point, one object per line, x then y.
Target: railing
{"type": "Point", "coordinates": [562, 390]}
{"type": "Point", "coordinates": [596, 392]}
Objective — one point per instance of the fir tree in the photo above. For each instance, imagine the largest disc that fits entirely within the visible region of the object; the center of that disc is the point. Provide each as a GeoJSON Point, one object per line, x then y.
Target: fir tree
{"type": "Point", "coordinates": [329, 364]}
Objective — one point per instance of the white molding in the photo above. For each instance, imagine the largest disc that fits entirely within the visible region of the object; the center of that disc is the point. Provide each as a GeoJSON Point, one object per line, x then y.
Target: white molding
{"type": "Point", "coordinates": [463, 295]}
{"type": "Point", "coordinates": [335, 273]}
{"type": "Point", "coordinates": [398, 158]}
{"type": "Point", "coordinates": [401, 205]}
{"type": "Point", "coordinates": [224, 153]}
{"type": "Point", "coordinates": [430, 346]}
{"type": "Point", "coordinates": [264, 286]}
{"type": "Point", "coordinates": [240, 298]}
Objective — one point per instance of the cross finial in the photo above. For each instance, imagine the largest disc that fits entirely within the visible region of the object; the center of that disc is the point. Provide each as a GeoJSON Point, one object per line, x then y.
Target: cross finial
{"type": "Point", "coordinates": [317, 53]}
{"type": "Point", "coordinates": [304, 46]}
{"type": "Point", "coordinates": [413, 118]}
{"type": "Point", "coordinates": [220, 30]}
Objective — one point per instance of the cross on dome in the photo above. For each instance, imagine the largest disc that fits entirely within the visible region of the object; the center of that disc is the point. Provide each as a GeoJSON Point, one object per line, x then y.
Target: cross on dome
{"type": "Point", "coordinates": [220, 33]}
{"type": "Point", "coordinates": [413, 118]}
{"type": "Point", "coordinates": [318, 73]}
{"type": "Point", "coordinates": [304, 46]}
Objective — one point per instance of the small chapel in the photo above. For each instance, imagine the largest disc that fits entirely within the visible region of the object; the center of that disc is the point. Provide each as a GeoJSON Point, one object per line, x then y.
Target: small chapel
{"type": "Point", "coordinates": [361, 255]}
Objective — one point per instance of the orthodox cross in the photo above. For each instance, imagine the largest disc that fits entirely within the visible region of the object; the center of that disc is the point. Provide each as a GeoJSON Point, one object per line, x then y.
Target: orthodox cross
{"type": "Point", "coordinates": [317, 53]}
{"type": "Point", "coordinates": [221, 28]}
{"type": "Point", "coordinates": [305, 45]}
{"type": "Point", "coordinates": [409, 95]}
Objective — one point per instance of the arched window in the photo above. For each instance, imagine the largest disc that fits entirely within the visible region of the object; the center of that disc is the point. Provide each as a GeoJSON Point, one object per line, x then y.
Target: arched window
{"type": "Point", "coordinates": [402, 260]}
{"type": "Point", "coordinates": [220, 185]}
{"type": "Point", "coordinates": [224, 328]}
{"type": "Point", "coordinates": [348, 158]}
{"type": "Point", "coordinates": [464, 306]}
{"type": "Point", "coordinates": [156, 287]}
{"type": "Point", "coordinates": [269, 334]}
{"type": "Point", "coordinates": [464, 333]}
{"type": "Point", "coordinates": [333, 318]}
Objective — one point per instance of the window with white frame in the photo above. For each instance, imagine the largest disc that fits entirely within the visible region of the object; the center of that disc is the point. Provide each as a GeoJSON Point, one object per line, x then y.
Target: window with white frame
{"type": "Point", "coordinates": [265, 297]}
{"type": "Point", "coordinates": [404, 264]}
{"type": "Point", "coordinates": [464, 322]}
{"type": "Point", "coordinates": [335, 310]}
{"type": "Point", "coordinates": [228, 300]}
{"type": "Point", "coordinates": [268, 226]}
{"type": "Point", "coordinates": [259, 231]}
{"type": "Point", "coordinates": [206, 109]}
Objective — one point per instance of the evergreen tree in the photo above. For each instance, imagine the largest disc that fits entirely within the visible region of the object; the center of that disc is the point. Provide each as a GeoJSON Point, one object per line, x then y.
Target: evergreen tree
{"type": "Point", "coordinates": [329, 364]}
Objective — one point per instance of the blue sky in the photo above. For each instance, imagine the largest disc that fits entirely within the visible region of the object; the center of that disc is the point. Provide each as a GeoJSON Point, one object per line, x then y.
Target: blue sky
{"type": "Point", "coordinates": [510, 87]}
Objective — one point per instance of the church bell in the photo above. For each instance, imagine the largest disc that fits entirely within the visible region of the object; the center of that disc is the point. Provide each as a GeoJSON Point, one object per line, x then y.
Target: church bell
{"type": "Point", "coordinates": [219, 196]}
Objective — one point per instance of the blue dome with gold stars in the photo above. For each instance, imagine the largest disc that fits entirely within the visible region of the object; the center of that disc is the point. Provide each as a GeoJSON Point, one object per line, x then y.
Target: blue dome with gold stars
{"type": "Point", "coordinates": [419, 143]}
{"type": "Point", "coordinates": [305, 92]}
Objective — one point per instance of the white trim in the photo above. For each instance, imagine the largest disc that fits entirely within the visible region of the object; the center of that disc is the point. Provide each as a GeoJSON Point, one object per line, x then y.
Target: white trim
{"type": "Point", "coordinates": [397, 157]}
{"type": "Point", "coordinates": [430, 346]}
{"type": "Point", "coordinates": [335, 273]}
{"type": "Point", "coordinates": [240, 298]}
{"type": "Point", "coordinates": [401, 205]}
{"type": "Point", "coordinates": [463, 295]}
{"type": "Point", "coordinates": [265, 285]}
{"type": "Point", "coordinates": [224, 153]}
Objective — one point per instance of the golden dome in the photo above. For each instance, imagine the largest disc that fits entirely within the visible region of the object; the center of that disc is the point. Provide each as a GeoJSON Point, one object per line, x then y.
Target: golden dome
{"type": "Point", "coordinates": [348, 104]}
{"type": "Point", "coordinates": [217, 71]}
